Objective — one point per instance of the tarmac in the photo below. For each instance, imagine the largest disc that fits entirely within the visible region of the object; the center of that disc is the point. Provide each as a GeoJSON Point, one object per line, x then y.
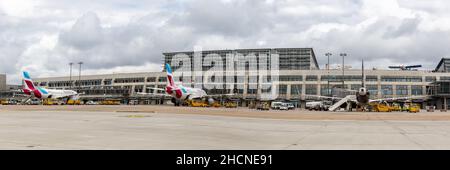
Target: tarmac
{"type": "Point", "coordinates": [118, 127]}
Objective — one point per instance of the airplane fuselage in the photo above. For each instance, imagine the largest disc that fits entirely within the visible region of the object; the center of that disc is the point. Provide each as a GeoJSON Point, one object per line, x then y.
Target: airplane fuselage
{"type": "Point", "coordinates": [362, 97]}
{"type": "Point", "coordinates": [182, 93]}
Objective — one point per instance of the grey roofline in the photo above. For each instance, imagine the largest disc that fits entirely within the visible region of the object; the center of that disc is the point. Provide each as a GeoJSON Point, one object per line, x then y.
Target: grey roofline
{"type": "Point", "coordinates": [440, 63]}
{"type": "Point", "coordinates": [232, 50]}
{"type": "Point", "coordinates": [313, 55]}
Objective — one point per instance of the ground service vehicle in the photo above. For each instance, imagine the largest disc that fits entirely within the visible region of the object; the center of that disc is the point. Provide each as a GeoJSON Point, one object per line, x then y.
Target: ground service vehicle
{"type": "Point", "coordinates": [395, 107]}
{"type": "Point", "coordinates": [197, 103]}
{"type": "Point", "coordinates": [290, 106]}
{"type": "Point", "coordinates": [231, 104]}
{"type": "Point", "coordinates": [413, 108]}
{"type": "Point", "coordinates": [276, 105]}
{"type": "Point", "coordinates": [73, 102]}
{"type": "Point", "coordinates": [317, 106]}
{"type": "Point", "coordinates": [91, 103]}
{"type": "Point", "coordinates": [381, 107]}
{"type": "Point", "coordinates": [283, 106]}
{"type": "Point", "coordinates": [263, 106]}
{"type": "Point", "coordinates": [216, 104]}
{"type": "Point", "coordinates": [110, 102]}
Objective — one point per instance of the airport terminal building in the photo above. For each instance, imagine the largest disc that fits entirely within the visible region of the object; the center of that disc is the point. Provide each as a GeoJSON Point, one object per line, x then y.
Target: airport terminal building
{"type": "Point", "coordinates": [299, 76]}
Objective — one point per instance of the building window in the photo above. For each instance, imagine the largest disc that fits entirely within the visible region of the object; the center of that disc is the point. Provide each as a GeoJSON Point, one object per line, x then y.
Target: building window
{"type": "Point", "coordinates": [416, 90]}
{"type": "Point", "coordinates": [324, 90]}
{"type": "Point", "coordinates": [107, 82]}
{"type": "Point", "coordinates": [372, 89]}
{"type": "Point", "coordinates": [401, 90]}
{"type": "Point", "coordinates": [445, 78]}
{"type": "Point", "coordinates": [444, 88]}
{"type": "Point", "coordinates": [355, 86]}
{"type": "Point", "coordinates": [386, 89]}
{"type": "Point", "coordinates": [291, 78]}
{"type": "Point", "coordinates": [371, 78]}
{"type": "Point", "coordinates": [162, 79]}
{"type": "Point", "coordinates": [311, 89]}
{"type": "Point", "coordinates": [251, 90]}
{"type": "Point", "coordinates": [296, 89]}
{"type": "Point", "coordinates": [430, 79]}
{"type": "Point", "coordinates": [282, 89]}
{"type": "Point", "coordinates": [401, 79]}
{"type": "Point", "coordinates": [151, 79]}
{"type": "Point", "coordinates": [328, 78]}
{"type": "Point", "coordinates": [311, 78]}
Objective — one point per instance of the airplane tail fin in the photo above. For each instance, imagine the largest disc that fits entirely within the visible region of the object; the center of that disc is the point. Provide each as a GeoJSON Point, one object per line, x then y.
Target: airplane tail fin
{"type": "Point", "coordinates": [28, 82]}
{"type": "Point", "coordinates": [169, 75]}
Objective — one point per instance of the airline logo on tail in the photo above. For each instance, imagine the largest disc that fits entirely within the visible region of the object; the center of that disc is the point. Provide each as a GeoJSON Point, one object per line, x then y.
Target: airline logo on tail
{"type": "Point", "coordinates": [171, 88]}
{"type": "Point", "coordinates": [169, 75]}
{"type": "Point", "coordinates": [29, 87]}
{"type": "Point", "coordinates": [28, 82]}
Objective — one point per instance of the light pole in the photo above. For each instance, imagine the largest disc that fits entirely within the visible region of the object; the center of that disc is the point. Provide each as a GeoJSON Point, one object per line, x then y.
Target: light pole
{"type": "Point", "coordinates": [70, 77]}
{"type": "Point", "coordinates": [328, 72]}
{"type": "Point", "coordinates": [79, 75]}
{"type": "Point", "coordinates": [343, 55]}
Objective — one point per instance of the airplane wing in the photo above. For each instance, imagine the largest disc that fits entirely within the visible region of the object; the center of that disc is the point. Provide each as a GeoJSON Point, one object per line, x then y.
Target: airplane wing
{"type": "Point", "coordinates": [397, 98]}
{"type": "Point", "coordinates": [60, 96]}
{"type": "Point", "coordinates": [414, 66]}
{"type": "Point", "coordinates": [219, 95]}
{"type": "Point", "coordinates": [319, 97]}
{"type": "Point", "coordinates": [154, 94]}
{"type": "Point", "coordinates": [158, 89]}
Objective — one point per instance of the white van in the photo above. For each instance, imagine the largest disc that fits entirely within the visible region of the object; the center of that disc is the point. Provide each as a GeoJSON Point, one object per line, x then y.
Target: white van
{"type": "Point", "coordinates": [284, 106]}
{"type": "Point", "coordinates": [276, 105]}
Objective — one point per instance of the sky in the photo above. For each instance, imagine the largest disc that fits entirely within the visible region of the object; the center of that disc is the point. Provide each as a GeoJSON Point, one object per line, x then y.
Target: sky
{"type": "Point", "coordinates": [111, 36]}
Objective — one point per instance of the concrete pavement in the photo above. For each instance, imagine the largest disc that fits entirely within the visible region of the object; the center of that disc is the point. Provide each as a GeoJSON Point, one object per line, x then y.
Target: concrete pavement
{"type": "Point", "coordinates": [114, 130]}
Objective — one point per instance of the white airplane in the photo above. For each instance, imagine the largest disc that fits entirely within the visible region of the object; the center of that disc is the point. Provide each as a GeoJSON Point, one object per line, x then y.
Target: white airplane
{"type": "Point", "coordinates": [362, 96]}
{"type": "Point", "coordinates": [179, 92]}
{"type": "Point", "coordinates": [42, 93]}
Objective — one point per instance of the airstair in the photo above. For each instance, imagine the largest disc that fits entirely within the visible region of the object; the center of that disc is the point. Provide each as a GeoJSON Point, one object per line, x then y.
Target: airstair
{"type": "Point", "coordinates": [341, 102]}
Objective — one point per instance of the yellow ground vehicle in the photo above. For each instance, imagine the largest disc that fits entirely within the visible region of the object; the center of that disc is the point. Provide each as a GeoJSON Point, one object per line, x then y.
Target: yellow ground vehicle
{"type": "Point", "coordinates": [48, 102]}
{"type": "Point", "coordinates": [263, 106]}
{"type": "Point", "coordinates": [110, 102]}
{"type": "Point", "coordinates": [412, 108]}
{"type": "Point", "coordinates": [4, 102]}
{"type": "Point", "coordinates": [396, 107]}
{"type": "Point", "coordinates": [231, 104]}
{"type": "Point", "coordinates": [73, 102]}
{"type": "Point", "coordinates": [197, 103]}
{"type": "Point", "coordinates": [216, 104]}
{"type": "Point", "coordinates": [381, 107]}
{"type": "Point", "coordinates": [53, 102]}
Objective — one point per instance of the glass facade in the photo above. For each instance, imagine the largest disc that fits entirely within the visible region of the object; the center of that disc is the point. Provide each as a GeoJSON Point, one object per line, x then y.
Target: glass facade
{"type": "Point", "coordinates": [430, 78]}
{"type": "Point", "coordinates": [296, 89]}
{"type": "Point", "coordinates": [311, 89]}
{"type": "Point", "coordinates": [371, 78]}
{"type": "Point", "coordinates": [373, 90]}
{"type": "Point", "coordinates": [282, 89]}
{"type": "Point", "coordinates": [416, 90]}
{"type": "Point", "coordinates": [311, 78]}
{"type": "Point", "coordinates": [401, 79]}
{"type": "Point", "coordinates": [401, 90]}
{"type": "Point", "coordinates": [290, 78]}
{"type": "Point", "coordinates": [386, 90]}
{"type": "Point", "coordinates": [289, 58]}
{"type": "Point", "coordinates": [324, 90]}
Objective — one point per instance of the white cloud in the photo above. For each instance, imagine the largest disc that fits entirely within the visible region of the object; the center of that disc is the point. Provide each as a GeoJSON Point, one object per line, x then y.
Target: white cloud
{"type": "Point", "coordinates": [115, 35]}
